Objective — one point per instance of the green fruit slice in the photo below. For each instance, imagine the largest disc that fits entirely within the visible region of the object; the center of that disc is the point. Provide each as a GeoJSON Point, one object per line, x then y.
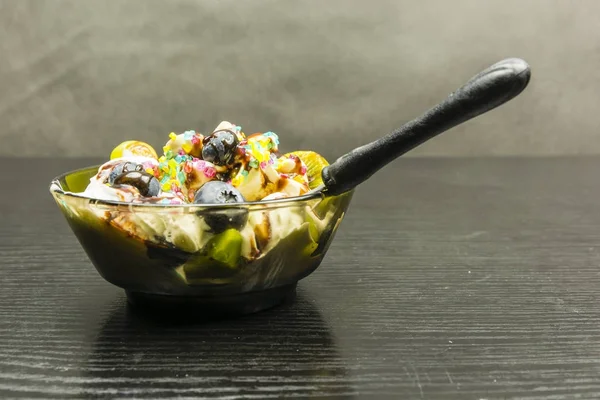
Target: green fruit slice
{"type": "Point", "coordinates": [226, 247]}
{"type": "Point", "coordinates": [218, 261]}
{"type": "Point", "coordinates": [78, 180]}
{"type": "Point", "coordinates": [314, 164]}
{"type": "Point", "coordinates": [202, 269]}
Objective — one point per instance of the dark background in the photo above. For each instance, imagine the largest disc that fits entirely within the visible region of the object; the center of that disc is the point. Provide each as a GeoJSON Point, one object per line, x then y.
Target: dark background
{"type": "Point", "coordinates": [77, 77]}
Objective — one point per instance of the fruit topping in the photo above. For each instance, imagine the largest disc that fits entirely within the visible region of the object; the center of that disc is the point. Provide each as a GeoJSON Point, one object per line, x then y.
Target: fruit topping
{"type": "Point", "coordinates": [133, 148]}
{"type": "Point", "coordinates": [220, 147]}
{"type": "Point", "coordinates": [122, 168]}
{"type": "Point", "coordinates": [218, 192]}
{"type": "Point", "coordinates": [314, 163]}
{"type": "Point", "coordinates": [147, 184]}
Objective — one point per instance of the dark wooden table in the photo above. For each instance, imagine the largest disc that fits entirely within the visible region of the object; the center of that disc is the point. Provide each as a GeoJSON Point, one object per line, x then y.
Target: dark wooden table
{"type": "Point", "coordinates": [450, 279]}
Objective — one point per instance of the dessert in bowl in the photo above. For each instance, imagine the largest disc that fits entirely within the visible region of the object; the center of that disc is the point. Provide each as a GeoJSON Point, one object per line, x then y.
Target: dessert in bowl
{"type": "Point", "coordinates": [224, 222]}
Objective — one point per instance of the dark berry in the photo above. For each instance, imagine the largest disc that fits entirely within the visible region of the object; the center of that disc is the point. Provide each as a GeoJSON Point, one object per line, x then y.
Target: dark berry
{"type": "Point", "coordinates": [147, 184]}
{"type": "Point", "coordinates": [122, 168]}
{"type": "Point", "coordinates": [220, 147]}
{"type": "Point", "coordinates": [217, 192]}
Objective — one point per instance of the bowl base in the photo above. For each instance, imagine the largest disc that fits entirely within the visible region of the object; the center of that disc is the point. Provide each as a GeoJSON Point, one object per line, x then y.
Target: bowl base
{"type": "Point", "coordinates": [211, 307]}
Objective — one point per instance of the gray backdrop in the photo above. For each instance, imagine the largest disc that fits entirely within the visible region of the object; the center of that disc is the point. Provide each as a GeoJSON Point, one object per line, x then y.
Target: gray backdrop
{"type": "Point", "coordinates": [77, 77]}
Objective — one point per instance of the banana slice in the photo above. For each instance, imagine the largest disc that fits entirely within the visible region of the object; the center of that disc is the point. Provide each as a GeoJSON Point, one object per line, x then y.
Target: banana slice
{"type": "Point", "coordinates": [133, 148]}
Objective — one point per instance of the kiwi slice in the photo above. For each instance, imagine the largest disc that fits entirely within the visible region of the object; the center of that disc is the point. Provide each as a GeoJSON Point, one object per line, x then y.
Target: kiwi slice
{"type": "Point", "coordinates": [202, 269]}
{"type": "Point", "coordinates": [314, 163]}
{"type": "Point", "coordinates": [226, 247]}
{"type": "Point", "coordinates": [218, 261]}
{"type": "Point", "coordinates": [78, 180]}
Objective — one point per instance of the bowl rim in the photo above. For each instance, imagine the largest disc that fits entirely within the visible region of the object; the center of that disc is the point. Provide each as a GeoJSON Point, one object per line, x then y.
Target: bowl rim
{"type": "Point", "coordinates": [56, 188]}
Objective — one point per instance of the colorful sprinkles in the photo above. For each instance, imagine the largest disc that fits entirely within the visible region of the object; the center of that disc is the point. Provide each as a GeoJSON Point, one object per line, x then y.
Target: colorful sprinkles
{"type": "Point", "coordinates": [180, 169]}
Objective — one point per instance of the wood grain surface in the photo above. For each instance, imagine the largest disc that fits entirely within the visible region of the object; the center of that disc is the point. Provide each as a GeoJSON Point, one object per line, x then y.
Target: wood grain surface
{"type": "Point", "coordinates": [449, 279]}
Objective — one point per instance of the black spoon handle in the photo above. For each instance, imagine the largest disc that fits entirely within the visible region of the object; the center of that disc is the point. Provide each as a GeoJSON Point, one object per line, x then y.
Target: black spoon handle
{"type": "Point", "coordinates": [485, 91]}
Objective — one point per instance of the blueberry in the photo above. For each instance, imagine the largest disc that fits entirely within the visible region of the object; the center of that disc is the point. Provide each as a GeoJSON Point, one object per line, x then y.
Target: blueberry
{"type": "Point", "coordinates": [210, 152]}
{"type": "Point", "coordinates": [218, 192]}
{"type": "Point", "coordinates": [122, 168]}
{"type": "Point", "coordinates": [220, 147]}
{"type": "Point", "coordinates": [147, 184]}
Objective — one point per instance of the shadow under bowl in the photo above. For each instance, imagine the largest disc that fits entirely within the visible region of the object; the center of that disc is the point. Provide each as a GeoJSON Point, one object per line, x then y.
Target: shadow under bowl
{"type": "Point", "coordinates": [167, 258]}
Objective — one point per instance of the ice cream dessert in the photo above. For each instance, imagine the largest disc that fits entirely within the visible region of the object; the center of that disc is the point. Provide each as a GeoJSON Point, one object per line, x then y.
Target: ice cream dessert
{"type": "Point", "coordinates": [221, 176]}
{"type": "Point", "coordinates": [248, 166]}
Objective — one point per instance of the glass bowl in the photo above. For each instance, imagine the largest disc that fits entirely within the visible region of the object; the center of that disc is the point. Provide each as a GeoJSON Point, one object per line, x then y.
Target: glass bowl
{"type": "Point", "coordinates": [247, 257]}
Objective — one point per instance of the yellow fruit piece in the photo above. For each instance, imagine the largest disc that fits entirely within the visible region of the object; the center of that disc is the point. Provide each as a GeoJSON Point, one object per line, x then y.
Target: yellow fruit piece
{"type": "Point", "coordinates": [133, 148]}
{"type": "Point", "coordinates": [314, 165]}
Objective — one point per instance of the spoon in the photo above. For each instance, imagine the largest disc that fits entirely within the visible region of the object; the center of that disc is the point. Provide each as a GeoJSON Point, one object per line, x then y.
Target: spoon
{"type": "Point", "coordinates": [487, 90]}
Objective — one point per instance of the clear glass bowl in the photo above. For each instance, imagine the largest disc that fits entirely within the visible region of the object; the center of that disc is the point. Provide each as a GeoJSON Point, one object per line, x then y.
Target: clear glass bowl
{"type": "Point", "coordinates": [167, 256]}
